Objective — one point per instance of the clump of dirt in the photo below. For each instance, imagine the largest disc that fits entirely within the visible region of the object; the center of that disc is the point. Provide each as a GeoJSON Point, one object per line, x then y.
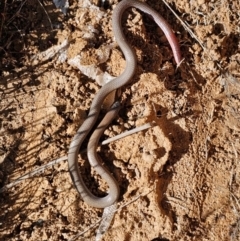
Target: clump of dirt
{"type": "Point", "coordinates": [179, 179]}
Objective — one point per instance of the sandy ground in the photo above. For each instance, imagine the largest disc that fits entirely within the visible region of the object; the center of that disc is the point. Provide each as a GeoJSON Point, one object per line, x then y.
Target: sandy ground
{"type": "Point", "coordinates": [180, 179]}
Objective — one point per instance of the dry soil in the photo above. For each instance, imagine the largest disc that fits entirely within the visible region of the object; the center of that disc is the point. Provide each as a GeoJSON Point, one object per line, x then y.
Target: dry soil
{"type": "Point", "coordinates": [180, 179]}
